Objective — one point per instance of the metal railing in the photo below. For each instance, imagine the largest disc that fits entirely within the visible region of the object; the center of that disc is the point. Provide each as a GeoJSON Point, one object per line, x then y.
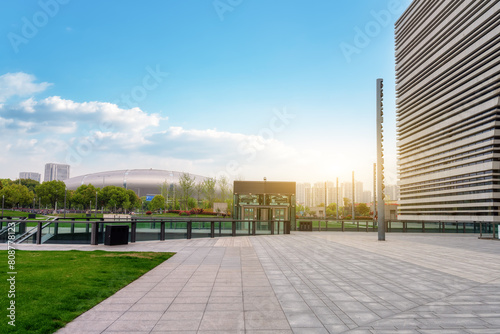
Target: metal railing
{"type": "Point", "coordinates": [484, 229]}
{"type": "Point", "coordinates": [74, 231]}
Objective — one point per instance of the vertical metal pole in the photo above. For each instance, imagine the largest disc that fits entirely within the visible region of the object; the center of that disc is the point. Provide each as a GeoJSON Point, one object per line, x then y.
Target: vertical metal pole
{"type": "Point", "coordinates": [325, 200]}
{"type": "Point", "coordinates": [39, 233]}
{"type": "Point", "coordinates": [94, 234]}
{"type": "Point", "coordinates": [3, 201]}
{"type": "Point", "coordinates": [162, 231]}
{"type": "Point", "coordinates": [380, 162]}
{"type": "Point", "coordinates": [65, 193]}
{"type": "Point", "coordinates": [95, 203]}
{"type": "Point", "coordinates": [374, 191]}
{"type": "Point", "coordinates": [353, 197]}
{"type": "Point", "coordinates": [337, 198]}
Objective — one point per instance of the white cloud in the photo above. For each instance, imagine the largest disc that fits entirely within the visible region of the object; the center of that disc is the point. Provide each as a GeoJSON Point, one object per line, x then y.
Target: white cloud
{"type": "Point", "coordinates": [19, 84]}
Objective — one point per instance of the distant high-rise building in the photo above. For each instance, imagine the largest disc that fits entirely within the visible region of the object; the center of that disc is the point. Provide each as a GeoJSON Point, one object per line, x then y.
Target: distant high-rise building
{"type": "Point", "coordinates": [392, 192]}
{"type": "Point", "coordinates": [448, 110]}
{"type": "Point", "coordinates": [300, 195]}
{"type": "Point", "coordinates": [31, 176]}
{"type": "Point", "coordinates": [57, 172]}
{"type": "Point", "coordinates": [358, 192]}
{"type": "Point", "coordinates": [366, 197]}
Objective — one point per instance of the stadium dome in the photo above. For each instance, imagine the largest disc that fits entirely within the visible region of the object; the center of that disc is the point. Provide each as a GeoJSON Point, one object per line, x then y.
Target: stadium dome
{"type": "Point", "coordinates": [142, 181]}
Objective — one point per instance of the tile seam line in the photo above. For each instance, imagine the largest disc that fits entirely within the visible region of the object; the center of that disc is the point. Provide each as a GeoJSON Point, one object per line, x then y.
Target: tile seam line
{"type": "Point", "coordinates": [437, 300]}
{"type": "Point", "coordinates": [156, 323]}
{"type": "Point", "coordinates": [271, 257]}
{"type": "Point", "coordinates": [218, 270]}
{"type": "Point", "coordinates": [296, 271]}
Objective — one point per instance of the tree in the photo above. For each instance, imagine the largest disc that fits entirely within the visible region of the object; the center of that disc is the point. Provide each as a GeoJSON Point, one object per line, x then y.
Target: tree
{"type": "Point", "coordinates": [157, 203]}
{"type": "Point", "coordinates": [224, 187]}
{"type": "Point", "coordinates": [145, 203]}
{"type": "Point", "coordinates": [346, 209]}
{"type": "Point", "coordinates": [135, 201]}
{"type": "Point", "coordinates": [17, 195]}
{"type": "Point", "coordinates": [198, 188]}
{"type": "Point", "coordinates": [209, 192]}
{"type": "Point", "coordinates": [192, 203]}
{"type": "Point", "coordinates": [84, 195]}
{"type": "Point", "coordinates": [51, 192]}
{"type": "Point", "coordinates": [331, 209]}
{"type": "Point", "coordinates": [226, 192]}
{"type": "Point", "coordinates": [113, 197]}
{"type": "Point", "coordinates": [29, 183]}
{"type": "Point", "coordinates": [362, 209]}
{"type": "Point", "coordinates": [186, 182]}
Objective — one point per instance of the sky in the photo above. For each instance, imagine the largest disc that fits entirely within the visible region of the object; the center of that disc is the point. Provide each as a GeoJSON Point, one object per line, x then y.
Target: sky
{"type": "Point", "coordinates": [238, 88]}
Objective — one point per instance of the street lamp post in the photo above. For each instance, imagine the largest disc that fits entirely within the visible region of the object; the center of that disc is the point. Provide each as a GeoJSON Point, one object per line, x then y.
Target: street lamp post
{"type": "Point", "coordinates": [380, 162]}
{"type": "Point", "coordinates": [353, 197]}
{"type": "Point", "coordinates": [65, 193]}
{"type": "Point", "coordinates": [337, 198]}
{"type": "Point", "coordinates": [96, 203]}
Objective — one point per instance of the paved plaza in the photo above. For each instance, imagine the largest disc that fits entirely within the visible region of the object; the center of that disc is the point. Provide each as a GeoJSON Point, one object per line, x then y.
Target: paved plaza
{"type": "Point", "coordinates": [319, 282]}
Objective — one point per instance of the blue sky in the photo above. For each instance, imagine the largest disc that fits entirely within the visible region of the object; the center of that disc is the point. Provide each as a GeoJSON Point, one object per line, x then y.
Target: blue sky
{"type": "Point", "coordinates": [247, 89]}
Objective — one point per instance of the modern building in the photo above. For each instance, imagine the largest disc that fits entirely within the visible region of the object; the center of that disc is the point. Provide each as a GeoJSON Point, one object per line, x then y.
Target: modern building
{"type": "Point", "coordinates": [56, 172]}
{"type": "Point", "coordinates": [264, 201]}
{"type": "Point", "coordinates": [143, 182]}
{"type": "Point", "coordinates": [391, 192]}
{"type": "Point", "coordinates": [448, 110]}
{"type": "Point", "coordinates": [30, 176]}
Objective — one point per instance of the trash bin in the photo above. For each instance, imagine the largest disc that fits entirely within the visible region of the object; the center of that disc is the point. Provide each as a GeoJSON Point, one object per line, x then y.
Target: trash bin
{"type": "Point", "coordinates": [305, 226]}
{"type": "Point", "coordinates": [116, 235]}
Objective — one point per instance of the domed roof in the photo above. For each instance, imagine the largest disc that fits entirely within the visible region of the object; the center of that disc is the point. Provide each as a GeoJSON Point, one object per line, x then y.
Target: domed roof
{"type": "Point", "coordinates": [142, 181]}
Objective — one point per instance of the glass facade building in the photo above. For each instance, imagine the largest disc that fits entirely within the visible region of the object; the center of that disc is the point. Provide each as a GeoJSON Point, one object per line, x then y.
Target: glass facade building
{"type": "Point", "coordinates": [448, 114]}
{"type": "Point", "coordinates": [264, 201]}
{"type": "Point", "coordinates": [56, 172]}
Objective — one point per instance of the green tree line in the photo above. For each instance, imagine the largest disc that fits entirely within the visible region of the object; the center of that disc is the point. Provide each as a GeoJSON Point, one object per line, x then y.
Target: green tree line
{"type": "Point", "coordinates": [185, 195]}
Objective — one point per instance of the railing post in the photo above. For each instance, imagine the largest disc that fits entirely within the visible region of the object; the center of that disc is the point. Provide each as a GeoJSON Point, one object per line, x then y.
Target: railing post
{"type": "Point", "coordinates": [212, 229]}
{"type": "Point", "coordinates": [39, 233]}
{"type": "Point", "coordinates": [133, 231]}
{"type": "Point", "coordinates": [480, 229]}
{"type": "Point", "coordinates": [254, 227]}
{"type": "Point", "coordinates": [343, 227]}
{"type": "Point", "coordinates": [367, 226]}
{"type": "Point", "coordinates": [423, 226]}
{"type": "Point", "coordinates": [162, 231]}
{"type": "Point", "coordinates": [463, 227]}
{"type": "Point", "coordinates": [94, 234]}
{"type": "Point", "coordinates": [272, 227]}
{"type": "Point", "coordinates": [357, 226]}
{"type": "Point", "coordinates": [493, 226]}
{"type": "Point", "coordinates": [220, 228]}
{"type": "Point", "coordinates": [189, 227]}
{"type": "Point", "coordinates": [72, 229]}
{"type": "Point", "coordinates": [233, 228]}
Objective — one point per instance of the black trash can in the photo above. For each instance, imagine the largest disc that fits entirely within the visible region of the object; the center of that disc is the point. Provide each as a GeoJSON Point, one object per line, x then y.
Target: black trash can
{"type": "Point", "coordinates": [116, 235]}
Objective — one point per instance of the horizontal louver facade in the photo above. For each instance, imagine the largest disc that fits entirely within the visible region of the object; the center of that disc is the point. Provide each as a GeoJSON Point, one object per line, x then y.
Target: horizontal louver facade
{"type": "Point", "coordinates": [448, 114]}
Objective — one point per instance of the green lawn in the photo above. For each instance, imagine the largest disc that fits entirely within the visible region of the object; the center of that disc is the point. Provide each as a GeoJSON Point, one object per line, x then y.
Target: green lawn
{"type": "Point", "coordinates": [11, 213]}
{"type": "Point", "coordinates": [54, 287]}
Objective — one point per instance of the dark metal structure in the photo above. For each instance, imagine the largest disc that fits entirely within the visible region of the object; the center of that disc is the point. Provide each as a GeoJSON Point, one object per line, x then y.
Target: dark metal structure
{"type": "Point", "coordinates": [265, 201]}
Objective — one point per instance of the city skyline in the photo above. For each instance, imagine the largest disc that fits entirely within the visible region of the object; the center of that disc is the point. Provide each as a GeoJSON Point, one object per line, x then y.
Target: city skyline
{"type": "Point", "coordinates": [262, 90]}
